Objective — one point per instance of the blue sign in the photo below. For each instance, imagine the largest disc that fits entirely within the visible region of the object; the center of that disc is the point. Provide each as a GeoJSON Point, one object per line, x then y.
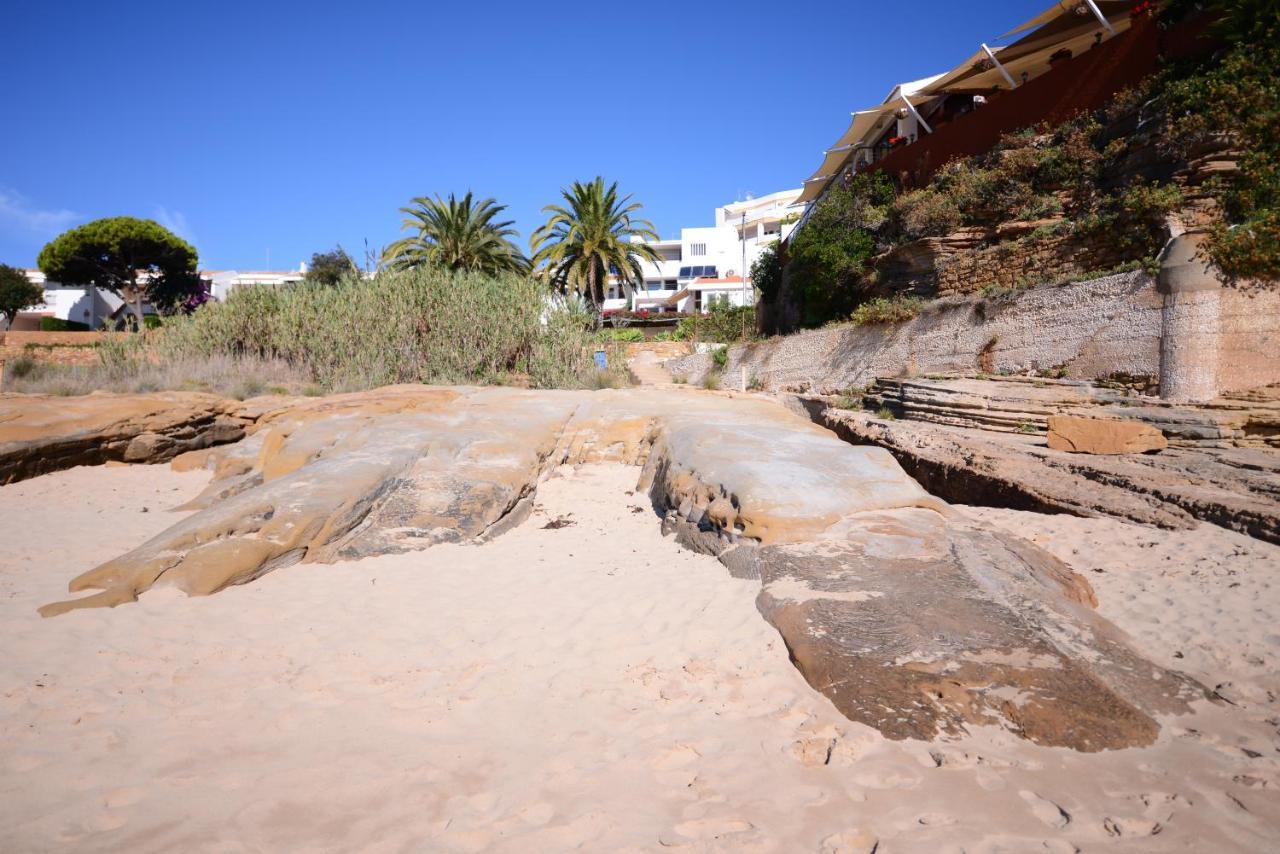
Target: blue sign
{"type": "Point", "coordinates": [601, 361]}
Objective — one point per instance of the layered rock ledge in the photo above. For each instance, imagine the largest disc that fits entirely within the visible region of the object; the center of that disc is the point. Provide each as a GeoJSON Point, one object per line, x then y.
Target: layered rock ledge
{"type": "Point", "coordinates": [41, 433]}
{"type": "Point", "coordinates": [910, 619]}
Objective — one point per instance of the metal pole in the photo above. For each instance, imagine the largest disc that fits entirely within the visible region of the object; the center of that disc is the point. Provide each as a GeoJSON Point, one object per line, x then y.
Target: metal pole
{"type": "Point", "coordinates": [742, 239]}
{"type": "Point", "coordinates": [999, 67]}
{"type": "Point", "coordinates": [916, 113]}
{"type": "Point", "coordinates": [1093, 7]}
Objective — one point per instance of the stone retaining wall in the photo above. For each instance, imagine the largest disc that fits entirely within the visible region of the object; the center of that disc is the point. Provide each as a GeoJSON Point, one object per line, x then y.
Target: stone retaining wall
{"type": "Point", "coordinates": [63, 348]}
{"type": "Point", "coordinates": [1084, 330]}
{"type": "Point", "coordinates": [1015, 263]}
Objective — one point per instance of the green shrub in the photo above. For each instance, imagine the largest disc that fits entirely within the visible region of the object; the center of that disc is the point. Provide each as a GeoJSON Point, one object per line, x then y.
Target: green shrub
{"type": "Point", "coordinates": [830, 255]}
{"type": "Point", "coordinates": [883, 310]}
{"type": "Point", "coordinates": [721, 324]}
{"type": "Point", "coordinates": [21, 367]}
{"type": "Point", "coordinates": [151, 321]}
{"type": "Point", "coordinates": [925, 213]}
{"type": "Point", "coordinates": [1133, 220]}
{"type": "Point", "coordinates": [628, 335]}
{"type": "Point", "coordinates": [420, 325]}
{"type": "Point", "coordinates": [57, 324]}
{"type": "Point", "coordinates": [720, 356]}
{"type": "Point", "coordinates": [711, 381]}
{"type": "Point", "coordinates": [886, 414]}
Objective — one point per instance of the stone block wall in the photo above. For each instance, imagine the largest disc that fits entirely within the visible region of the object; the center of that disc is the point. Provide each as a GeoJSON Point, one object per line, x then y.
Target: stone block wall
{"type": "Point", "coordinates": [64, 348]}
{"type": "Point", "coordinates": [1109, 327]}
{"type": "Point", "coordinates": [1024, 261]}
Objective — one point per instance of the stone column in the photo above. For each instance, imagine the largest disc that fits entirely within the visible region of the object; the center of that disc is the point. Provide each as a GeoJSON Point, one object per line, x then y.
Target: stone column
{"type": "Point", "coordinates": [1189, 335]}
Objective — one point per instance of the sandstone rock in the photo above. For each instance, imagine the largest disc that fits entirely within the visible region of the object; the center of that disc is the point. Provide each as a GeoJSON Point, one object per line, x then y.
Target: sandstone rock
{"type": "Point", "coordinates": [909, 619]}
{"type": "Point", "coordinates": [1231, 487]}
{"type": "Point", "coordinates": [1080, 435]}
{"type": "Point", "coordinates": [41, 433]}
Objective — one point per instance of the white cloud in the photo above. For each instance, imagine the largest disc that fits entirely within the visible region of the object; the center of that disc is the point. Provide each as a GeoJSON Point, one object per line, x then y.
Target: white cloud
{"type": "Point", "coordinates": [16, 211]}
{"type": "Point", "coordinates": [175, 221]}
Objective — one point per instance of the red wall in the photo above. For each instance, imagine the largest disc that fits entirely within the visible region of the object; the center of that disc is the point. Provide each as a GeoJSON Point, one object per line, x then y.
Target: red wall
{"type": "Point", "coordinates": [1084, 82]}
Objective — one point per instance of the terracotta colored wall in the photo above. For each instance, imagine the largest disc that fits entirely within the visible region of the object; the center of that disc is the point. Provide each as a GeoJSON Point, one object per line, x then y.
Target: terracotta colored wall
{"type": "Point", "coordinates": [1084, 82]}
{"type": "Point", "coordinates": [64, 348]}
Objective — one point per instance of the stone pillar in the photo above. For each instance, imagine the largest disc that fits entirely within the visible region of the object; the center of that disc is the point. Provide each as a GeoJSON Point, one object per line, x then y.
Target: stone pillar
{"type": "Point", "coordinates": [1189, 335]}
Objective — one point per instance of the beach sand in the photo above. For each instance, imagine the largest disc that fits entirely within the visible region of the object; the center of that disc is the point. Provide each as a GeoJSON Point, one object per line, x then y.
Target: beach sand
{"type": "Point", "coordinates": [580, 685]}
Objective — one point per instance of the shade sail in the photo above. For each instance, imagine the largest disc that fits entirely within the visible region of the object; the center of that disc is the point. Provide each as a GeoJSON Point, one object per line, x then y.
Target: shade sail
{"type": "Point", "coordinates": [969, 67]}
{"type": "Point", "coordinates": [1034, 64]}
{"type": "Point", "coordinates": [813, 190]}
{"type": "Point", "coordinates": [1062, 7]}
{"type": "Point", "coordinates": [1070, 14]}
{"type": "Point", "coordinates": [864, 125]}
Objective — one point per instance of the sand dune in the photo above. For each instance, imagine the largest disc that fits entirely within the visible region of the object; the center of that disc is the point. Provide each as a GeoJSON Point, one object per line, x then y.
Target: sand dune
{"type": "Point", "coordinates": [585, 685]}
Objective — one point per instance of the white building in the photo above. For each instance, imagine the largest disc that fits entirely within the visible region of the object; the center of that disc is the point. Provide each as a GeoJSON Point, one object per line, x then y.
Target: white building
{"type": "Point", "coordinates": [86, 305]}
{"type": "Point", "coordinates": [710, 262]}
{"type": "Point", "coordinates": [97, 308]}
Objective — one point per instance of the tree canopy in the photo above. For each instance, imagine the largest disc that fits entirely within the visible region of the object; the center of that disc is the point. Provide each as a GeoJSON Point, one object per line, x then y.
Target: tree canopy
{"type": "Point", "coordinates": [590, 237]}
{"type": "Point", "coordinates": [458, 235]}
{"type": "Point", "coordinates": [17, 292]}
{"type": "Point", "coordinates": [133, 258]}
{"type": "Point", "coordinates": [329, 268]}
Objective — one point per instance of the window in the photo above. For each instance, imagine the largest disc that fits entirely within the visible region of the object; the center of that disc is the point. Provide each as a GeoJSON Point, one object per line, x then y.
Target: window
{"type": "Point", "coordinates": [697, 249]}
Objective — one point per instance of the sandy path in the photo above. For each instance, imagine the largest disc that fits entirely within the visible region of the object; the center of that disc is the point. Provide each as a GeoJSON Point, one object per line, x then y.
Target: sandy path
{"type": "Point", "coordinates": [589, 685]}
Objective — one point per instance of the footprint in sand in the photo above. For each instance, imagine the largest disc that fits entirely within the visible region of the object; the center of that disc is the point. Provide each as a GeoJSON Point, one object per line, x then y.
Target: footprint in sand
{"type": "Point", "coordinates": [1046, 810]}
{"type": "Point", "coordinates": [1121, 826]}
{"type": "Point", "coordinates": [849, 842]}
{"type": "Point", "coordinates": [674, 768]}
{"type": "Point", "coordinates": [813, 751]}
{"type": "Point", "coordinates": [124, 797]}
{"type": "Point", "coordinates": [713, 828]}
{"type": "Point", "coordinates": [677, 757]}
{"type": "Point", "coordinates": [537, 814]}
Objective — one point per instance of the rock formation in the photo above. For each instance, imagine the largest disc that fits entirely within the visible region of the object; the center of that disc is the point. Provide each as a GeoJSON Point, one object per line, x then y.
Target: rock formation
{"type": "Point", "coordinates": [40, 434]}
{"type": "Point", "coordinates": [1077, 435]}
{"type": "Point", "coordinates": [1237, 488]}
{"type": "Point", "coordinates": [908, 618]}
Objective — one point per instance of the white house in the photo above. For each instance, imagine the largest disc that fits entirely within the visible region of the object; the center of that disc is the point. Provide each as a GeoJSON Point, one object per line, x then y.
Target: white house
{"type": "Point", "coordinates": [97, 308]}
{"type": "Point", "coordinates": [86, 305]}
{"type": "Point", "coordinates": [710, 262]}
{"type": "Point", "coordinates": [223, 282]}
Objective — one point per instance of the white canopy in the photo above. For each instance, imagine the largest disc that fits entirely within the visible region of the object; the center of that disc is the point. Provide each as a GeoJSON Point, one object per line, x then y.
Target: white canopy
{"type": "Point", "coordinates": [1034, 64]}
{"type": "Point", "coordinates": [1061, 7]}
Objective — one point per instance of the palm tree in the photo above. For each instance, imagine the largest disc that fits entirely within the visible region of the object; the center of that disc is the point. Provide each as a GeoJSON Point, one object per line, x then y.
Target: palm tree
{"type": "Point", "coordinates": [589, 238]}
{"type": "Point", "coordinates": [458, 235]}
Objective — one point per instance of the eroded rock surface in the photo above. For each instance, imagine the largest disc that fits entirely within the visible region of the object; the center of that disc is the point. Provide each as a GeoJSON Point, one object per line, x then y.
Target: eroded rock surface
{"type": "Point", "coordinates": [1078, 435]}
{"type": "Point", "coordinates": [1237, 488]}
{"type": "Point", "coordinates": [907, 617]}
{"type": "Point", "coordinates": [42, 433]}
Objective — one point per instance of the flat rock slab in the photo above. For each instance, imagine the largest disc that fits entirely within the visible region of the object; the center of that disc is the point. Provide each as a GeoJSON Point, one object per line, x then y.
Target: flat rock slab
{"type": "Point", "coordinates": [907, 617]}
{"type": "Point", "coordinates": [1079, 435]}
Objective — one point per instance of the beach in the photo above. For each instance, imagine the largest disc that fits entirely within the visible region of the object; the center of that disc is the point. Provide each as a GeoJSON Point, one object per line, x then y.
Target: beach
{"type": "Point", "coordinates": [578, 682]}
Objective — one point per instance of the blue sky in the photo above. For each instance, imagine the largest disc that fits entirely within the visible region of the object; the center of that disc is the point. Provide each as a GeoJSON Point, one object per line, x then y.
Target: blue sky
{"type": "Point", "coordinates": [286, 128]}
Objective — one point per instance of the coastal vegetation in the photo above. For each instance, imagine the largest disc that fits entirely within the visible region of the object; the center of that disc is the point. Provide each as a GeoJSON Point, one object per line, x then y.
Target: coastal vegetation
{"type": "Point", "coordinates": [419, 325]}
{"type": "Point", "coordinates": [594, 234]}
